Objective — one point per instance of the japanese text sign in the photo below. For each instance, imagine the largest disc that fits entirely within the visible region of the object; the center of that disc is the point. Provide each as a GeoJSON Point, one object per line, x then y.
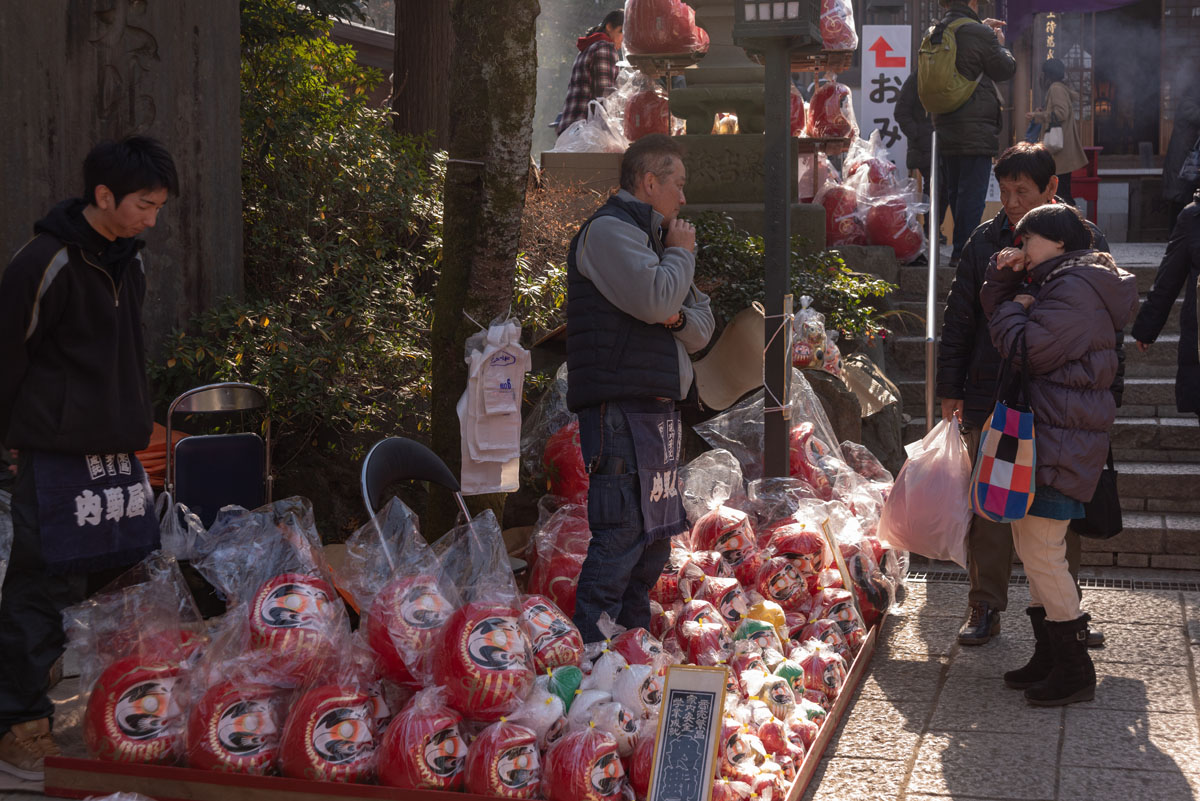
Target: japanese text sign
{"type": "Point", "coordinates": [689, 731]}
{"type": "Point", "coordinates": [887, 61]}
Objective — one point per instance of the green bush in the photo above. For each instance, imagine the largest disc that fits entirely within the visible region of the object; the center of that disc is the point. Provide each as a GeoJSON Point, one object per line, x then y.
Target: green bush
{"type": "Point", "coordinates": [730, 268]}
{"type": "Point", "coordinates": [342, 232]}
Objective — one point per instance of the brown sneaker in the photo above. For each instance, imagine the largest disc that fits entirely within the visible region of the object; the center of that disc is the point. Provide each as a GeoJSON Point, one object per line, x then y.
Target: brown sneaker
{"type": "Point", "coordinates": [24, 748]}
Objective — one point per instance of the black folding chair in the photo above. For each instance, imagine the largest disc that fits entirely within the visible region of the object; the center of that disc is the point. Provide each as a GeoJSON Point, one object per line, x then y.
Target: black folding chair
{"type": "Point", "coordinates": [401, 459]}
{"type": "Point", "coordinates": [208, 471]}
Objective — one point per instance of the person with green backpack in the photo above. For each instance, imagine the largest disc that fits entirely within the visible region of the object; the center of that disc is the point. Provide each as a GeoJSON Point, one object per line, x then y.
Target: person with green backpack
{"type": "Point", "coordinates": [961, 59]}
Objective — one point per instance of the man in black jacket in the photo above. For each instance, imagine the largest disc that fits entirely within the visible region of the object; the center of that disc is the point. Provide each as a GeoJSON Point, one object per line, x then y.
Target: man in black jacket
{"type": "Point", "coordinates": [74, 406]}
{"type": "Point", "coordinates": [968, 138]}
{"type": "Point", "coordinates": [969, 368]}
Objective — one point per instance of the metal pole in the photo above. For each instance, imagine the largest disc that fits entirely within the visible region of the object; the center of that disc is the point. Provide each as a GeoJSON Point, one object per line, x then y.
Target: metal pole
{"type": "Point", "coordinates": [778, 182]}
{"type": "Point", "coordinates": [931, 291]}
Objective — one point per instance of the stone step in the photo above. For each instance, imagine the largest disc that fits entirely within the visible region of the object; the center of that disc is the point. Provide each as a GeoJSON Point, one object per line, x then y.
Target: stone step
{"type": "Point", "coordinates": [1160, 487]}
{"type": "Point", "coordinates": [1151, 434]}
{"type": "Point", "coordinates": [914, 281]}
{"type": "Point", "coordinates": [1168, 540]}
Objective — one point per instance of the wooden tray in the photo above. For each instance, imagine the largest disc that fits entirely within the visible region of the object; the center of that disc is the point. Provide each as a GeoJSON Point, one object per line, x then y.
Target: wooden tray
{"type": "Point", "coordinates": [657, 64]}
{"type": "Point", "coordinates": [68, 777]}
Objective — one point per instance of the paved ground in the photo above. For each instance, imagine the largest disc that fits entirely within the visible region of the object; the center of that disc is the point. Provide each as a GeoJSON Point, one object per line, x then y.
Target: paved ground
{"type": "Point", "coordinates": [933, 720]}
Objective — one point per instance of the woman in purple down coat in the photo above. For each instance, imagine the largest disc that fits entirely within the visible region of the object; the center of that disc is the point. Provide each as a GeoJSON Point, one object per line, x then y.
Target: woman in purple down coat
{"type": "Point", "coordinates": [1068, 302]}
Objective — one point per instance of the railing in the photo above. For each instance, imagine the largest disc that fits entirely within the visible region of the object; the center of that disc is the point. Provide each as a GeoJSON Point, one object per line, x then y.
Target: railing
{"type": "Point", "coordinates": [931, 289]}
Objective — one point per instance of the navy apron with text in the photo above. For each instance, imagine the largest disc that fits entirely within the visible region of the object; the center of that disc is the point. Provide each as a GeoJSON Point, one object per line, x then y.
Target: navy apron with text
{"type": "Point", "coordinates": [657, 435]}
{"type": "Point", "coordinates": [94, 511]}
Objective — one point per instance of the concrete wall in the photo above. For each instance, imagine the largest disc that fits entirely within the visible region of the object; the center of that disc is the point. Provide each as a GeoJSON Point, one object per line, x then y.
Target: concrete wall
{"type": "Point", "coordinates": [73, 72]}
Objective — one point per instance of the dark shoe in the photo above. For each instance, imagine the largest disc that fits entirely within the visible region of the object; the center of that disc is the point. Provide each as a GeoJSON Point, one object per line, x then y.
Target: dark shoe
{"type": "Point", "coordinates": [1041, 662]}
{"type": "Point", "coordinates": [1073, 677]}
{"type": "Point", "coordinates": [982, 624]}
{"type": "Point", "coordinates": [1095, 638]}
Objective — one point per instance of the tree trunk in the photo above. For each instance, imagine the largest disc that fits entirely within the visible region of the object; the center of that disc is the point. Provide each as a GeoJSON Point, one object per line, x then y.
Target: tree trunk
{"type": "Point", "coordinates": [421, 83]}
{"type": "Point", "coordinates": [492, 88]}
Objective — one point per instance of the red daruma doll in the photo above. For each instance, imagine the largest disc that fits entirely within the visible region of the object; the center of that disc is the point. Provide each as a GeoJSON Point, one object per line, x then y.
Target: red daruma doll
{"type": "Point", "coordinates": [235, 728]}
{"type": "Point", "coordinates": [583, 766]}
{"type": "Point", "coordinates": [484, 661]}
{"type": "Point", "coordinates": [329, 736]}
{"type": "Point", "coordinates": [293, 616]}
{"type": "Point", "coordinates": [403, 621]}
{"type": "Point", "coordinates": [134, 713]}
{"type": "Point", "coordinates": [503, 762]}
{"type": "Point", "coordinates": [552, 636]}
{"type": "Point", "coordinates": [423, 747]}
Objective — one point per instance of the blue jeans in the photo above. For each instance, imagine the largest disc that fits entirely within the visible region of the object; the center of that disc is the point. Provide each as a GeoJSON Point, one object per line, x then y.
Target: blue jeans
{"type": "Point", "coordinates": [621, 566]}
{"type": "Point", "coordinates": [966, 187]}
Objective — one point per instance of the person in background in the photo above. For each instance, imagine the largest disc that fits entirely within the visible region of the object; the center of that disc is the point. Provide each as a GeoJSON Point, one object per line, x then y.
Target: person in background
{"type": "Point", "coordinates": [969, 137]}
{"type": "Point", "coordinates": [75, 406]}
{"type": "Point", "coordinates": [914, 122]}
{"type": "Point", "coordinates": [633, 317]}
{"type": "Point", "coordinates": [1060, 110]}
{"type": "Point", "coordinates": [969, 368]}
{"type": "Point", "coordinates": [1185, 134]}
{"type": "Point", "coordinates": [594, 73]}
{"type": "Point", "coordinates": [1180, 269]}
{"type": "Point", "coordinates": [1057, 305]}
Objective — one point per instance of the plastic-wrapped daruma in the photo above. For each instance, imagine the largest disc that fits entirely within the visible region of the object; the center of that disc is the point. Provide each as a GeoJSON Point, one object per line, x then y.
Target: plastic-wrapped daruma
{"type": "Point", "coordinates": [134, 713]}
{"type": "Point", "coordinates": [563, 462]}
{"type": "Point", "coordinates": [422, 747]}
{"type": "Point", "coordinates": [638, 646]}
{"type": "Point", "coordinates": [293, 616]}
{"type": "Point", "coordinates": [583, 766]}
{"type": "Point", "coordinates": [484, 661]}
{"type": "Point", "coordinates": [647, 113]}
{"type": "Point", "coordinates": [503, 762]}
{"type": "Point", "coordinates": [403, 622]}
{"type": "Point", "coordinates": [552, 636]}
{"type": "Point", "coordinates": [640, 766]}
{"type": "Point", "coordinates": [328, 736]}
{"type": "Point", "coordinates": [235, 728]}
{"type": "Point", "coordinates": [843, 226]}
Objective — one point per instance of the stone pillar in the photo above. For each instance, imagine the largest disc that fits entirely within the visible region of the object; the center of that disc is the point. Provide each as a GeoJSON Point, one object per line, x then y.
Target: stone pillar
{"type": "Point", "coordinates": [73, 72]}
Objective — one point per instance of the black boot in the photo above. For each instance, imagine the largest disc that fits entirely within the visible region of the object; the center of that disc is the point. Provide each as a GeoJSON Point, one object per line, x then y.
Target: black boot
{"type": "Point", "coordinates": [1041, 662]}
{"type": "Point", "coordinates": [1073, 677]}
{"type": "Point", "coordinates": [983, 623]}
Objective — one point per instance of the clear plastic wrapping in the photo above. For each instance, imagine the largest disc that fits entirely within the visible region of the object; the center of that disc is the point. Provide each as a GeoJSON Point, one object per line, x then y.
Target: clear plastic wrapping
{"type": "Point", "coordinates": [837, 25]}
{"type": "Point", "coordinates": [662, 27]}
{"type": "Point", "coordinates": [831, 111]}
{"type": "Point", "coordinates": [423, 747]}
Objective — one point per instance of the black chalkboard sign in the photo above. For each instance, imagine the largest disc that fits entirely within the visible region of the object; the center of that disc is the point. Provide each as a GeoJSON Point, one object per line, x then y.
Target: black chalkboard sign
{"type": "Point", "coordinates": [689, 728]}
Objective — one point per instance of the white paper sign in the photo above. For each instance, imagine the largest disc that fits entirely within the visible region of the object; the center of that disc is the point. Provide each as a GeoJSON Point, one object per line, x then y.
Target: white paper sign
{"type": "Point", "coordinates": [886, 62]}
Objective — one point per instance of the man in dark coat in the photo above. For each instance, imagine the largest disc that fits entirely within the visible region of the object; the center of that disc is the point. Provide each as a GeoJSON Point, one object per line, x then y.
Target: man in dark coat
{"type": "Point", "coordinates": [1184, 135]}
{"type": "Point", "coordinates": [1180, 269]}
{"type": "Point", "coordinates": [75, 406]}
{"type": "Point", "coordinates": [969, 368]}
{"type": "Point", "coordinates": [914, 122]}
{"type": "Point", "coordinates": [968, 138]}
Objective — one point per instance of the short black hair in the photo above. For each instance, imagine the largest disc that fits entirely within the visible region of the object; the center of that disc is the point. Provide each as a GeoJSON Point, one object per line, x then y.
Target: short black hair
{"type": "Point", "coordinates": [613, 18]}
{"type": "Point", "coordinates": [1057, 222]}
{"type": "Point", "coordinates": [1054, 69]}
{"type": "Point", "coordinates": [1026, 158]}
{"type": "Point", "coordinates": [129, 165]}
{"type": "Point", "coordinates": [650, 154]}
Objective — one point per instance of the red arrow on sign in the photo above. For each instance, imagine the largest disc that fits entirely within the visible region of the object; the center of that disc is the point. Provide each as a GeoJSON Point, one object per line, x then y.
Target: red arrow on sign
{"type": "Point", "coordinates": [882, 60]}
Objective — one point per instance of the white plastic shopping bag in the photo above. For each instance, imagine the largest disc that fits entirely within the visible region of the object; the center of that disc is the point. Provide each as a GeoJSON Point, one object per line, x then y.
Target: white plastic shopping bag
{"type": "Point", "coordinates": [929, 509]}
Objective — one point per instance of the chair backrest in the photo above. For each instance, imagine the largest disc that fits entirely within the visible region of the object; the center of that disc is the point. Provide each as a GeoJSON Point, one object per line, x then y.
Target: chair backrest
{"type": "Point", "coordinates": [401, 459]}
{"type": "Point", "coordinates": [212, 471]}
{"type": "Point", "coordinates": [222, 398]}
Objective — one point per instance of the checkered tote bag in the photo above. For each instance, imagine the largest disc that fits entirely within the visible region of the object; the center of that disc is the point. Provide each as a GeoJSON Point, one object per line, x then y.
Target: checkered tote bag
{"type": "Point", "coordinates": [1002, 485]}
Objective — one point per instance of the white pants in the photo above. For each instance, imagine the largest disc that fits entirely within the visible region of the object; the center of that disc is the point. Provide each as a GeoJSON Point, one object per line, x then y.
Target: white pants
{"type": "Point", "coordinates": [1041, 545]}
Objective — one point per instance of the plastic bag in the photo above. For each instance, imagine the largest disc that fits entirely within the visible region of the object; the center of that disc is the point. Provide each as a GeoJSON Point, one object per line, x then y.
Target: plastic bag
{"type": "Point", "coordinates": [664, 27]}
{"type": "Point", "coordinates": [423, 747]}
{"type": "Point", "coordinates": [868, 168]}
{"type": "Point", "coordinates": [648, 112]}
{"type": "Point", "coordinates": [598, 133]}
{"type": "Point", "coordinates": [548, 416]}
{"type": "Point", "coordinates": [583, 766]}
{"type": "Point", "coordinates": [833, 354]}
{"type": "Point", "coordinates": [892, 222]}
{"type": "Point", "coordinates": [181, 531]}
{"type": "Point", "coordinates": [928, 511]}
{"type": "Point", "coordinates": [401, 591]}
{"type": "Point", "coordinates": [560, 541]}
{"type": "Point", "coordinates": [837, 25]}
{"type": "Point", "coordinates": [808, 336]}
{"type": "Point", "coordinates": [831, 111]}
{"type": "Point", "coordinates": [708, 481]}
{"type": "Point", "coordinates": [814, 171]}
{"type": "Point", "coordinates": [503, 762]}
{"type": "Point", "coordinates": [484, 659]}
{"type": "Point", "coordinates": [844, 223]}
{"type": "Point", "coordinates": [798, 118]}
{"type": "Point", "coordinates": [562, 461]}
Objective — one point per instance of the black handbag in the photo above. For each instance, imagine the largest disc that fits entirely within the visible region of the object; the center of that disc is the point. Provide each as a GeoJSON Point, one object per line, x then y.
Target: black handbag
{"type": "Point", "coordinates": [1102, 514]}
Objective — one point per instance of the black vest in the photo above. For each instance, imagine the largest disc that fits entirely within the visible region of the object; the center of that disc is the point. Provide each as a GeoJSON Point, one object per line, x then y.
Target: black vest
{"type": "Point", "coordinates": [612, 355]}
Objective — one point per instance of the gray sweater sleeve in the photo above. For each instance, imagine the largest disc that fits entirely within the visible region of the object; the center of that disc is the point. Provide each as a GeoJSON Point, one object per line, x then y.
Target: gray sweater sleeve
{"type": "Point", "coordinates": [618, 259]}
{"type": "Point", "coordinates": [698, 324]}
